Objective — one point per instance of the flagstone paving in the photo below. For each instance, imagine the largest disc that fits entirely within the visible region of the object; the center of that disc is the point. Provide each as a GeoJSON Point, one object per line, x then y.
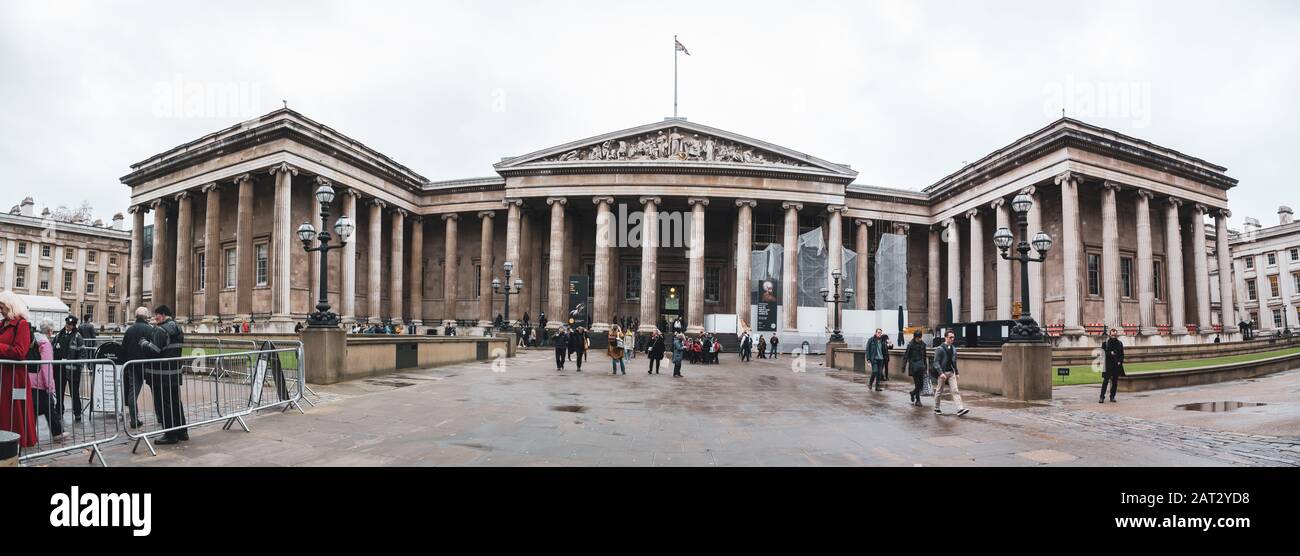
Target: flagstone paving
{"type": "Point", "coordinates": [734, 414]}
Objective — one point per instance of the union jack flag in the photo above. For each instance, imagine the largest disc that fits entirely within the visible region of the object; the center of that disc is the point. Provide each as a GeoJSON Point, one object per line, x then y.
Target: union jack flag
{"type": "Point", "coordinates": [681, 47]}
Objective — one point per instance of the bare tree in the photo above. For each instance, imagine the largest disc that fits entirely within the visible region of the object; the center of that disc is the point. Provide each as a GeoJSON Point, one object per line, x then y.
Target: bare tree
{"type": "Point", "coordinates": [83, 215]}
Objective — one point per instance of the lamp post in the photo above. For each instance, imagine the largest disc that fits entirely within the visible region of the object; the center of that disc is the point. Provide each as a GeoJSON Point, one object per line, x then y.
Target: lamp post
{"type": "Point", "coordinates": [837, 298]}
{"type": "Point", "coordinates": [507, 324]}
{"type": "Point", "coordinates": [323, 317]}
{"type": "Point", "coordinates": [1026, 330]}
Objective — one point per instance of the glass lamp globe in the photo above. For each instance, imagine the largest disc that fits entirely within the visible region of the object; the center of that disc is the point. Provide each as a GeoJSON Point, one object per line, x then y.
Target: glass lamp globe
{"type": "Point", "coordinates": [306, 232]}
{"type": "Point", "coordinates": [325, 194]}
{"type": "Point", "coordinates": [1022, 203]}
{"type": "Point", "coordinates": [1002, 238]}
{"type": "Point", "coordinates": [1042, 242]}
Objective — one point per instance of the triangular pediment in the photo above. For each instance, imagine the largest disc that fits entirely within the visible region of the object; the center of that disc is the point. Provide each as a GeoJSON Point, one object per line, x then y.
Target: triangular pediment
{"type": "Point", "coordinates": [675, 142]}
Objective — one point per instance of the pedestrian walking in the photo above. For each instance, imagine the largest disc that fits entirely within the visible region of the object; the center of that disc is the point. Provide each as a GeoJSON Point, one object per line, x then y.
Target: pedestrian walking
{"type": "Point", "coordinates": [629, 344]}
{"type": "Point", "coordinates": [561, 350]}
{"type": "Point", "coordinates": [884, 369]}
{"type": "Point", "coordinates": [775, 350]}
{"type": "Point", "coordinates": [616, 349]}
{"type": "Point", "coordinates": [746, 348]}
{"type": "Point", "coordinates": [762, 348]}
{"type": "Point", "coordinates": [679, 349]}
{"type": "Point", "coordinates": [1114, 350]}
{"type": "Point", "coordinates": [578, 346]}
{"type": "Point", "coordinates": [945, 374]}
{"type": "Point", "coordinates": [655, 351]}
{"type": "Point", "coordinates": [914, 362]}
{"type": "Point", "coordinates": [16, 337]}
{"type": "Point", "coordinates": [877, 352]}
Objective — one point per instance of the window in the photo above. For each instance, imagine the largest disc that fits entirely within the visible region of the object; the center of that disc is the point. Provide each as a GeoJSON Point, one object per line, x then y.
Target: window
{"type": "Point", "coordinates": [632, 283]}
{"type": "Point", "coordinates": [260, 252]}
{"type": "Point", "coordinates": [112, 259]}
{"type": "Point", "coordinates": [1295, 253]}
{"type": "Point", "coordinates": [45, 251]}
{"type": "Point", "coordinates": [1273, 290]}
{"type": "Point", "coordinates": [90, 314]}
{"type": "Point", "coordinates": [713, 284]}
{"type": "Point", "coordinates": [1272, 259]}
{"type": "Point", "coordinates": [231, 268]}
{"type": "Point", "coordinates": [202, 269]}
{"type": "Point", "coordinates": [1250, 263]}
{"type": "Point", "coordinates": [1277, 319]}
{"type": "Point", "coordinates": [1251, 290]}
{"type": "Point", "coordinates": [1295, 279]}
{"type": "Point", "coordinates": [1126, 276]}
{"type": "Point", "coordinates": [92, 256]}
{"type": "Point", "coordinates": [1254, 317]}
{"type": "Point", "coordinates": [90, 282]}
{"type": "Point", "coordinates": [478, 284]}
{"type": "Point", "coordinates": [43, 280]}
{"type": "Point", "coordinates": [1157, 273]}
{"type": "Point", "coordinates": [20, 277]}
{"type": "Point", "coordinates": [112, 311]}
{"type": "Point", "coordinates": [22, 248]}
{"type": "Point", "coordinates": [67, 281]}
{"type": "Point", "coordinates": [69, 253]}
{"type": "Point", "coordinates": [1094, 274]}
{"type": "Point", "coordinates": [112, 286]}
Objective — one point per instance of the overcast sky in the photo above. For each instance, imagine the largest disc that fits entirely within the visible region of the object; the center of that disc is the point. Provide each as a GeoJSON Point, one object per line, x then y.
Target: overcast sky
{"type": "Point", "coordinates": [905, 91]}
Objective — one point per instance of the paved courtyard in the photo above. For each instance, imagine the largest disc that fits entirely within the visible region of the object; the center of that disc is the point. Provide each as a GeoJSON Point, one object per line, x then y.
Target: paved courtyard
{"type": "Point", "coordinates": [734, 414]}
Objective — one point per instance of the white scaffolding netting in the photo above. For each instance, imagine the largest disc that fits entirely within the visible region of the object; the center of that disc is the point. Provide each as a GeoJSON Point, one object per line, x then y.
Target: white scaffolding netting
{"type": "Point", "coordinates": [891, 272]}
{"type": "Point", "coordinates": [814, 268]}
{"type": "Point", "coordinates": [765, 265]}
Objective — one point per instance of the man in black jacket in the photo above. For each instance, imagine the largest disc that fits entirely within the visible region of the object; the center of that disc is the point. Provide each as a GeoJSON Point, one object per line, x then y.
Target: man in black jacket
{"type": "Point", "coordinates": [1114, 350]}
{"type": "Point", "coordinates": [137, 344]}
{"type": "Point", "coordinates": [914, 361]}
{"type": "Point", "coordinates": [67, 378]}
{"type": "Point", "coordinates": [165, 378]}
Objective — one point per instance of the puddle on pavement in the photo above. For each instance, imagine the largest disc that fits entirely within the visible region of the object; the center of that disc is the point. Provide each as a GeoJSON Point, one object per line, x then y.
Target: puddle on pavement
{"type": "Point", "coordinates": [1005, 404]}
{"type": "Point", "coordinates": [392, 383]}
{"type": "Point", "coordinates": [570, 408]}
{"type": "Point", "coordinates": [1216, 407]}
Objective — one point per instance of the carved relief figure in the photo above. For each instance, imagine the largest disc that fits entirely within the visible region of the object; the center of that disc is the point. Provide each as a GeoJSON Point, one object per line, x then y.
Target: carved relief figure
{"type": "Point", "coordinates": [675, 145]}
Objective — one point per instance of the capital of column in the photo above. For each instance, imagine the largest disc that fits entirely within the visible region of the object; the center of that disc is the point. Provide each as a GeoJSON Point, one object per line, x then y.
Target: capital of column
{"type": "Point", "coordinates": [323, 181]}
{"type": "Point", "coordinates": [1225, 213]}
{"type": "Point", "coordinates": [948, 223]}
{"type": "Point", "coordinates": [243, 178]}
{"type": "Point", "coordinates": [1145, 194]}
{"type": "Point", "coordinates": [283, 167]}
{"type": "Point", "coordinates": [451, 216]}
{"type": "Point", "coordinates": [416, 219]}
{"type": "Point", "coordinates": [1202, 209]}
{"type": "Point", "coordinates": [134, 209]}
{"type": "Point", "coordinates": [377, 202]}
{"type": "Point", "coordinates": [1112, 186]}
{"type": "Point", "coordinates": [788, 205]}
{"type": "Point", "coordinates": [647, 200]}
{"type": "Point", "coordinates": [182, 196]}
{"type": "Point", "coordinates": [864, 222]}
{"type": "Point", "coordinates": [157, 204]}
{"type": "Point", "coordinates": [836, 208]}
{"type": "Point", "coordinates": [972, 213]}
{"type": "Point", "coordinates": [400, 211]}
{"type": "Point", "coordinates": [751, 203]}
{"type": "Point", "coordinates": [602, 200]}
{"type": "Point", "coordinates": [563, 201]}
{"type": "Point", "coordinates": [998, 203]}
{"type": "Point", "coordinates": [1067, 176]}
{"type": "Point", "coordinates": [350, 192]}
{"type": "Point", "coordinates": [1174, 202]}
{"type": "Point", "coordinates": [210, 187]}
{"type": "Point", "coordinates": [692, 201]}
{"type": "Point", "coordinates": [515, 202]}
{"type": "Point", "coordinates": [1030, 191]}
{"type": "Point", "coordinates": [487, 214]}
{"type": "Point", "coordinates": [902, 228]}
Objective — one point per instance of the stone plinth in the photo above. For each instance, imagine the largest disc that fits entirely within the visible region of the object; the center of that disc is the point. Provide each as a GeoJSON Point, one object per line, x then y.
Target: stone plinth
{"type": "Point", "coordinates": [324, 354]}
{"type": "Point", "coordinates": [830, 352]}
{"type": "Point", "coordinates": [1026, 371]}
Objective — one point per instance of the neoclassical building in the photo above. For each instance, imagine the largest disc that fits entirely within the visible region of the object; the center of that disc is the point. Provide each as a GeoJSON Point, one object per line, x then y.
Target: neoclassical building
{"type": "Point", "coordinates": [1266, 267]}
{"type": "Point", "coordinates": [741, 230]}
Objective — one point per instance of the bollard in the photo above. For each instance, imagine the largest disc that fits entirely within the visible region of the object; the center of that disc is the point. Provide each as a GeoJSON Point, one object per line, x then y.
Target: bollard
{"type": "Point", "coordinates": [8, 449]}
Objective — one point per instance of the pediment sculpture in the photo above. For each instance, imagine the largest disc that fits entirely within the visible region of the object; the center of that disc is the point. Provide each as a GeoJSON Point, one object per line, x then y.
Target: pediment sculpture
{"type": "Point", "coordinates": [674, 144]}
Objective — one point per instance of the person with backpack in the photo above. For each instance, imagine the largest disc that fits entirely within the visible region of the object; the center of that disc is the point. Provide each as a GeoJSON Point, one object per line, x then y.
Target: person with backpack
{"type": "Point", "coordinates": [17, 343]}
{"type": "Point", "coordinates": [68, 344]}
{"type": "Point", "coordinates": [165, 381]}
{"type": "Point", "coordinates": [914, 362]}
{"type": "Point", "coordinates": [616, 348]}
{"type": "Point", "coordinates": [945, 374]}
{"type": "Point", "coordinates": [138, 343]}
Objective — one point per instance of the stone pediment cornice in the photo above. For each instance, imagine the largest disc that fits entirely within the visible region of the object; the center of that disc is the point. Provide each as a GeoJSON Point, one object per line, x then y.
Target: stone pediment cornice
{"type": "Point", "coordinates": [673, 145]}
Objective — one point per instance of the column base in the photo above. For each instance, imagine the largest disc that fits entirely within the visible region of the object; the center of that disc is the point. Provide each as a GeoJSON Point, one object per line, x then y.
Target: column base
{"type": "Point", "coordinates": [552, 325]}
{"type": "Point", "coordinates": [646, 328]}
{"type": "Point", "coordinates": [600, 327]}
{"type": "Point", "coordinates": [485, 323]}
{"type": "Point", "coordinates": [374, 320]}
{"type": "Point", "coordinates": [1178, 330]}
{"type": "Point", "coordinates": [694, 330]}
{"type": "Point", "coordinates": [1230, 330]}
{"type": "Point", "coordinates": [1149, 331]}
{"type": "Point", "coordinates": [348, 320]}
{"type": "Point", "coordinates": [1074, 331]}
{"type": "Point", "coordinates": [243, 318]}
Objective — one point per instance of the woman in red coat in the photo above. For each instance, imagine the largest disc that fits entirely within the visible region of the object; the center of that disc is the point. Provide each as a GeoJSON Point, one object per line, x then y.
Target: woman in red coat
{"type": "Point", "coordinates": [16, 415]}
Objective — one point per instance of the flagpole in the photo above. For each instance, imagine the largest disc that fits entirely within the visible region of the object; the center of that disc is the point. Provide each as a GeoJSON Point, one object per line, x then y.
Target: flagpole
{"type": "Point", "coordinates": [674, 76]}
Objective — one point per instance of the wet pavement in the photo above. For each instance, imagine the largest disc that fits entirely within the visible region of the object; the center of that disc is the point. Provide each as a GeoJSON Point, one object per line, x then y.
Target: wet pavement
{"type": "Point", "coordinates": [762, 413]}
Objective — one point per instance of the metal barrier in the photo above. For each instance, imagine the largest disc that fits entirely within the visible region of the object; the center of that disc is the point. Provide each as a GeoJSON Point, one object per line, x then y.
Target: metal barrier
{"type": "Point", "coordinates": [37, 392]}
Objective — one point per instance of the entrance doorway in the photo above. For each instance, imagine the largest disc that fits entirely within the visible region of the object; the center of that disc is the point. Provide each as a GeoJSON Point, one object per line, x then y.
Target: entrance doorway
{"type": "Point", "coordinates": [670, 306]}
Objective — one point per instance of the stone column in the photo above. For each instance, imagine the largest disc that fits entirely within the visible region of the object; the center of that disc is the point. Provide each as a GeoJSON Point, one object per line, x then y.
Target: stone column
{"type": "Point", "coordinates": [1201, 268]}
{"type": "Point", "coordinates": [695, 290]}
{"type": "Point", "coordinates": [555, 279]}
{"type": "Point", "coordinates": [375, 267]}
{"type": "Point", "coordinates": [159, 207]}
{"type": "Point", "coordinates": [282, 238]}
{"type": "Point", "coordinates": [348, 293]}
{"type": "Point", "coordinates": [862, 301]}
{"type": "Point", "coordinates": [953, 238]}
{"type": "Point", "coordinates": [1227, 310]}
{"type": "Point", "coordinates": [1036, 299]}
{"type": "Point", "coordinates": [976, 265]}
{"type": "Point", "coordinates": [101, 311]}
{"type": "Point", "coordinates": [137, 259]}
{"type": "Point", "coordinates": [450, 267]}
{"type": "Point", "coordinates": [184, 294]}
{"type": "Point", "coordinates": [1004, 289]}
{"type": "Point", "coordinates": [244, 250]}
{"type": "Point", "coordinates": [934, 313]}
{"type": "Point", "coordinates": [1146, 267]}
{"type": "Point", "coordinates": [527, 255]}
{"type": "Point", "coordinates": [1110, 279]}
{"type": "Point", "coordinates": [416, 271]}
{"type": "Point", "coordinates": [604, 258]}
{"type": "Point", "coordinates": [1174, 266]}
{"type": "Point", "coordinates": [513, 209]}
{"type": "Point", "coordinates": [649, 265]}
{"type": "Point", "coordinates": [396, 252]}
{"type": "Point", "coordinates": [835, 248]}
{"type": "Point", "coordinates": [313, 259]}
{"type": "Point", "coordinates": [744, 261]}
{"type": "Point", "coordinates": [790, 266]}
{"type": "Point", "coordinates": [212, 255]}
{"type": "Point", "coordinates": [1071, 249]}
{"type": "Point", "coordinates": [487, 219]}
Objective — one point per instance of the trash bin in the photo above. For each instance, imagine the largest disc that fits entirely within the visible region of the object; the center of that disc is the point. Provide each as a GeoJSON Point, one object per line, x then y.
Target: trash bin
{"type": "Point", "coordinates": [860, 362]}
{"type": "Point", "coordinates": [8, 449]}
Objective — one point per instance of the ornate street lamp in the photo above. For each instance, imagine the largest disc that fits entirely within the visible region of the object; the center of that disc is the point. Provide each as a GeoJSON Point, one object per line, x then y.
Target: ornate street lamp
{"type": "Point", "coordinates": [837, 298]}
{"type": "Point", "coordinates": [323, 317]}
{"type": "Point", "coordinates": [507, 324]}
{"type": "Point", "coordinates": [1026, 330]}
